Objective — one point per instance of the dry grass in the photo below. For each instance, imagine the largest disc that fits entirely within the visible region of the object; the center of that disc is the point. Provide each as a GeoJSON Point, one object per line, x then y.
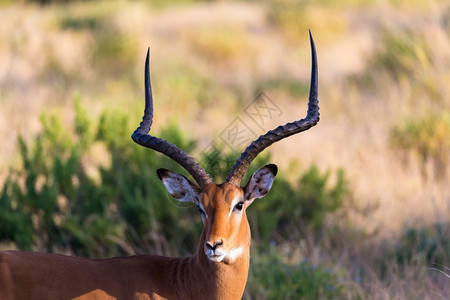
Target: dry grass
{"type": "Point", "coordinates": [208, 61]}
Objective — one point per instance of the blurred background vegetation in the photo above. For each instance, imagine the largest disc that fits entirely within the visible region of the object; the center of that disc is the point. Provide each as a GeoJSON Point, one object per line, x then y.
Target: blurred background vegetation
{"type": "Point", "coordinates": [360, 208]}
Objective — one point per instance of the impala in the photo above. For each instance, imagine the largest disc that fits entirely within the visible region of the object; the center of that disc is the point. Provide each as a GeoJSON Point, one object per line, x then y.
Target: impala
{"type": "Point", "coordinates": [218, 269]}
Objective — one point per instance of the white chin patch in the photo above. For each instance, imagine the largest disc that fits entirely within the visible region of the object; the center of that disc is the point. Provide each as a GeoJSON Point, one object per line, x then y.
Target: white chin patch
{"type": "Point", "coordinates": [234, 253]}
{"type": "Point", "coordinates": [231, 256]}
{"type": "Point", "coordinates": [216, 258]}
{"type": "Point", "coordinates": [216, 255]}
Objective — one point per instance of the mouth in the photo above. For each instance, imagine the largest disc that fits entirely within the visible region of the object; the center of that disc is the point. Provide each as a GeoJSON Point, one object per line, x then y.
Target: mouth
{"type": "Point", "coordinates": [214, 256]}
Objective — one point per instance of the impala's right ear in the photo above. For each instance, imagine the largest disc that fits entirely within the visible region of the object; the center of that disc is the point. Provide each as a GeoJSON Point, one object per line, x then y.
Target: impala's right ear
{"type": "Point", "coordinates": [260, 183]}
{"type": "Point", "coordinates": [179, 186]}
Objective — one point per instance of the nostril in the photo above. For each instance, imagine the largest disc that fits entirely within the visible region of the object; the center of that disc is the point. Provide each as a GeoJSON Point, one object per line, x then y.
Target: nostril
{"type": "Point", "coordinates": [216, 244]}
{"type": "Point", "coordinates": [209, 246]}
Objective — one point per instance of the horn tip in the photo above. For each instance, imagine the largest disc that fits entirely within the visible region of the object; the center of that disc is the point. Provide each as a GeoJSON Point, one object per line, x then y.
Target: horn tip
{"type": "Point", "coordinates": [311, 39]}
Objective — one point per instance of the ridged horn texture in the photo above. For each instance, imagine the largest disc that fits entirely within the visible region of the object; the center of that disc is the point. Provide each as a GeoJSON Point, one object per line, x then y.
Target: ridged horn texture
{"type": "Point", "coordinates": [141, 137]}
{"type": "Point", "coordinates": [281, 132]}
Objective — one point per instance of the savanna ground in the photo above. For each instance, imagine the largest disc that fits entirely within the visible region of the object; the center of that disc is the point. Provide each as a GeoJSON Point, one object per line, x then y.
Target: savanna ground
{"type": "Point", "coordinates": [361, 207]}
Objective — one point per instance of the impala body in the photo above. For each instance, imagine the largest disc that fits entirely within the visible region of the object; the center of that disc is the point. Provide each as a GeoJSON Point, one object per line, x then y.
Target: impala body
{"type": "Point", "coordinates": [137, 277]}
{"type": "Point", "coordinates": [218, 269]}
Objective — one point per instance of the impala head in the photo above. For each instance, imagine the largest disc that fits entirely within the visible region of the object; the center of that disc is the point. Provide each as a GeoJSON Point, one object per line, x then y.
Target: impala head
{"type": "Point", "coordinates": [223, 209]}
{"type": "Point", "coordinates": [223, 206]}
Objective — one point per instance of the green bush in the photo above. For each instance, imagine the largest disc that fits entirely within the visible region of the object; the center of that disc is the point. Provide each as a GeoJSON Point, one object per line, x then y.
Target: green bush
{"type": "Point", "coordinates": [299, 213]}
{"type": "Point", "coordinates": [428, 137]}
{"type": "Point", "coordinates": [59, 205]}
{"type": "Point", "coordinates": [273, 278]}
{"type": "Point", "coordinates": [52, 204]}
{"type": "Point", "coordinates": [430, 244]}
{"type": "Point", "coordinates": [79, 23]}
{"type": "Point", "coordinates": [419, 251]}
{"type": "Point", "coordinates": [15, 221]}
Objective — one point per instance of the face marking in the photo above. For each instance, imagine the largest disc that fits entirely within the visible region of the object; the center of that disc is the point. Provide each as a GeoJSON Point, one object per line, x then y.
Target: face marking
{"type": "Point", "coordinates": [234, 253]}
{"type": "Point", "coordinates": [200, 205]}
{"type": "Point", "coordinates": [216, 255]}
{"type": "Point", "coordinates": [235, 201]}
{"type": "Point", "coordinates": [219, 255]}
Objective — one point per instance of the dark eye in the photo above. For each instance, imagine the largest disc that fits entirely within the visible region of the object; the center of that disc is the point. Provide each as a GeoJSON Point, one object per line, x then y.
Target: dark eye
{"type": "Point", "coordinates": [239, 206]}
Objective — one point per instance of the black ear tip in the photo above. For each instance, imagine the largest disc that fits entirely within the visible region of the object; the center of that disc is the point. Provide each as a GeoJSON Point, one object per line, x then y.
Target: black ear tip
{"type": "Point", "coordinates": [273, 168]}
{"type": "Point", "coordinates": [162, 173]}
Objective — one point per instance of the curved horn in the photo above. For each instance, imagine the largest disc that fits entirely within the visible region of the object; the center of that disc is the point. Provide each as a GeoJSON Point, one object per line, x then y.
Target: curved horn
{"type": "Point", "coordinates": [141, 137]}
{"type": "Point", "coordinates": [281, 132]}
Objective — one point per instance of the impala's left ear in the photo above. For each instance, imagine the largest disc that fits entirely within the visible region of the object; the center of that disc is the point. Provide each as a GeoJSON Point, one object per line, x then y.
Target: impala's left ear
{"type": "Point", "coordinates": [181, 188]}
{"type": "Point", "coordinates": [260, 183]}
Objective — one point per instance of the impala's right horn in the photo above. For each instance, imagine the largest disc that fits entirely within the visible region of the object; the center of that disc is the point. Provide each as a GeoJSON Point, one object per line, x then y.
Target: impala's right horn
{"type": "Point", "coordinates": [281, 132]}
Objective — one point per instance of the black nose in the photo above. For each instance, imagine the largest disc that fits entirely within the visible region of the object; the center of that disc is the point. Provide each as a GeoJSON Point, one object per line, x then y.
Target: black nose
{"type": "Point", "coordinates": [213, 247]}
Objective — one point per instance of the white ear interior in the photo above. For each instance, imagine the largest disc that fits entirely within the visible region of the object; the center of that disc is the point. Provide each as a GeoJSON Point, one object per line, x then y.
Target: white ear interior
{"type": "Point", "coordinates": [260, 183]}
{"type": "Point", "coordinates": [179, 187]}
